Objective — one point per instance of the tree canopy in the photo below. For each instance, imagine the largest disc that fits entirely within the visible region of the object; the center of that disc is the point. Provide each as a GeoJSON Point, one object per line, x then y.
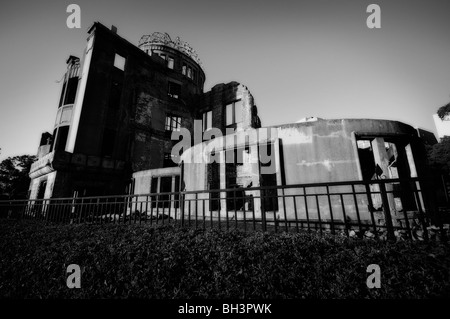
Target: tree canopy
{"type": "Point", "coordinates": [439, 155]}
{"type": "Point", "coordinates": [443, 111]}
{"type": "Point", "coordinates": [14, 179]}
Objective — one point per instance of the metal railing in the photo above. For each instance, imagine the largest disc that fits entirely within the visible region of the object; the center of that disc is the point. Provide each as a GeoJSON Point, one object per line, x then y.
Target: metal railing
{"type": "Point", "coordinates": [386, 209]}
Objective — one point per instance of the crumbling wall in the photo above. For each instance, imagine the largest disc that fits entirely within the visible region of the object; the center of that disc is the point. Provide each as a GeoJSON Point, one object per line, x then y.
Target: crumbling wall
{"type": "Point", "coordinates": [222, 94]}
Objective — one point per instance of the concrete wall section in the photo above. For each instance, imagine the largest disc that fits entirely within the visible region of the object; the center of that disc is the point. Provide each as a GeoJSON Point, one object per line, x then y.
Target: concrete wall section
{"type": "Point", "coordinates": [317, 153]}
{"type": "Point", "coordinates": [142, 179]}
{"type": "Point", "coordinates": [222, 94]}
{"type": "Point", "coordinates": [310, 152]}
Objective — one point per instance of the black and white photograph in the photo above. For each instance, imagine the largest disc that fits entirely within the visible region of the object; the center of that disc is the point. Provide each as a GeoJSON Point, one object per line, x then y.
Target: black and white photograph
{"type": "Point", "coordinates": [225, 158]}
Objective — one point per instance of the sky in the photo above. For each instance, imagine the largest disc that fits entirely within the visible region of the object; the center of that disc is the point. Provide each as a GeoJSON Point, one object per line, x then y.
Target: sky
{"type": "Point", "coordinates": [298, 58]}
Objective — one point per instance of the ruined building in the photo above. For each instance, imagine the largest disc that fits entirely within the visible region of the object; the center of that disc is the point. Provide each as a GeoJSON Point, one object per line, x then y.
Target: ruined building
{"type": "Point", "coordinates": [308, 154]}
{"type": "Point", "coordinates": [119, 105]}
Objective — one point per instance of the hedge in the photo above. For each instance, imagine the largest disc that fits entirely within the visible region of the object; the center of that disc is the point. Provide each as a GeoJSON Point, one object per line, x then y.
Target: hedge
{"type": "Point", "coordinates": [138, 261]}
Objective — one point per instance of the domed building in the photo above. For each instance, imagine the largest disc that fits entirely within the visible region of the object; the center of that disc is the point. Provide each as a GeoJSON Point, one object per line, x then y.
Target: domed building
{"type": "Point", "coordinates": [119, 106]}
{"type": "Point", "coordinates": [135, 120]}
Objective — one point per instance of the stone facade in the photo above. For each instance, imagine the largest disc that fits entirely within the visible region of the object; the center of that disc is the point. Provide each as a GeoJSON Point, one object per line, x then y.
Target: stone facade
{"type": "Point", "coordinates": [119, 105]}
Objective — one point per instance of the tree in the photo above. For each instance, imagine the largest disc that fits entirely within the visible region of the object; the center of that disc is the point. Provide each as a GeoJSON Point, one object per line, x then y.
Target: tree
{"type": "Point", "coordinates": [439, 155]}
{"type": "Point", "coordinates": [443, 111]}
{"type": "Point", "coordinates": [14, 179]}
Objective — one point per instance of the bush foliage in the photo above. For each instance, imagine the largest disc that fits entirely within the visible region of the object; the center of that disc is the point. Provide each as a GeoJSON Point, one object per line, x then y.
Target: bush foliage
{"type": "Point", "coordinates": [121, 261]}
{"type": "Point", "coordinates": [14, 179]}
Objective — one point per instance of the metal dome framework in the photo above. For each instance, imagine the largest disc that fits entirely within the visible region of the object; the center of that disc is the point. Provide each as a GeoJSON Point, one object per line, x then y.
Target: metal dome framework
{"type": "Point", "coordinates": [163, 38]}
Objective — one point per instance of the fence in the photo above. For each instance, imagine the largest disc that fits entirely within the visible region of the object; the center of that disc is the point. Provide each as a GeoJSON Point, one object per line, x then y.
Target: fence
{"type": "Point", "coordinates": [386, 209]}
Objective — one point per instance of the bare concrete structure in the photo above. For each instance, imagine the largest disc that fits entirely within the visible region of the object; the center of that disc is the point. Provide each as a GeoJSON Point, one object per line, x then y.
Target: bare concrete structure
{"type": "Point", "coordinates": [318, 151]}
{"type": "Point", "coordinates": [121, 103]}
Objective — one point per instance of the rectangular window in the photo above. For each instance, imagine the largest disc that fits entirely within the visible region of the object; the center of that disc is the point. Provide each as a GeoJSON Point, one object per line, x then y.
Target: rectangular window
{"type": "Point", "coordinates": [62, 94]}
{"type": "Point", "coordinates": [154, 190]}
{"type": "Point", "coordinates": [66, 115]}
{"type": "Point", "coordinates": [61, 139]}
{"type": "Point", "coordinates": [173, 123]}
{"type": "Point", "coordinates": [53, 144]}
{"type": "Point", "coordinates": [229, 115]}
{"type": "Point", "coordinates": [119, 62]}
{"type": "Point", "coordinates": [71, 91]}
{"type": "Point", "coordinates": [213, 174]}
{"type": "Point", "coordinates": [170, 62]}
{"type": "Point", "coordinates": [237, 156]}
{"type": "Point", "coordinates": [41, 189]}
{"type": "Point", "coordinates": [268, 176]}
{"type": "Point", "coordinates": [234, 113]}
{"type": "Point", "coordinates": [183, 69]}
{"type": "Point", "coordinates": [165, 187]}
{"type": "Point", "coordinates": [189, 72]}
{"type": "Point", "coordinates": [242, 154]}
{"type": "Point", "coordinates": [207, 120]}
{"type": "Point", "coordinates": [174, 90]}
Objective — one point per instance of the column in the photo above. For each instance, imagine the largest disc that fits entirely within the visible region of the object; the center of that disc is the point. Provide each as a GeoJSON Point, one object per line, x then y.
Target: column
{"type": "Point", "coordinates": [381, 158]}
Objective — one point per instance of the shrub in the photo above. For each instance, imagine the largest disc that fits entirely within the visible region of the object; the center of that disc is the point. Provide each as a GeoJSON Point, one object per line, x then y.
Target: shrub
{"type": "Point", "coordinates": [120, 261]}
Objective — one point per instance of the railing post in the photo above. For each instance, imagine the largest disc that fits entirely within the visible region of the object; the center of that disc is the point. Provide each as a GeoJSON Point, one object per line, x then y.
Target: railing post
{"type": "Point", "coordinates": [253, 213]}
{"type": "Point", "coordinates": [196, 209]}
{"type": "Point", "coordinates": [331, 211]}
{"type": "Point", "coordinates": [444, 184]}
{"type": "Point", "coordinates": [306, 207]}
{"type": "Point", "coordinates": [210, 210]}
{"type": "Point", "coordinates": [263, 210]}
{"type": "Point", "coordinates": [204, 218]}
{"type": "Point", "coordinates": [182, 202]}
{"type": "Point", "coordinates": [21, 212]}
{"type": "Point", "coordinates": [371, 209]}
{"type": "Point", "coordinates": [81, 211]}
{"type": "Point", "coordinates": [357, 210]}
{"type": "Point", "coordinates": [387, 212]}
{"type": "Point", "coordinates": [140, 212]}
{"type": "Point", "coordinates": [344, 214]}
{"type": "Point", "coordinates": [146, 208]}
{"type": "Point", "coordinates": [226, 209]}
{"type": "Point", "coordinates": [131, 209]}
{"type": "Point", "coordinates": [318, 214]}
{"type": "Point", "coordinates": [10, 210]}
{"type": "Point", "coordinates": [244, 201]}
{"type": "Point", "coordinates": [235, 209]}
{"type": "Point", "coordinates": [25, 210]}
{"type": "Point", "coordinates": [295, 212]}
{"type": "Point", "coordinates": [284, 210]}
{"type": "Point", "coordinates": [125, 208]}
{"type": "Point", "coordinates": [98, 212]}
{"type": "Point", "coordinates": [275, 220]}
{"type": "Point", "coordinates": [421, 213]}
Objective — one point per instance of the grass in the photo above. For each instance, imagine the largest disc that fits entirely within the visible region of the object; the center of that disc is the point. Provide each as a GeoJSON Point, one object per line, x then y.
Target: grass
{"type": "Point", "coordinates": [138, 261]}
